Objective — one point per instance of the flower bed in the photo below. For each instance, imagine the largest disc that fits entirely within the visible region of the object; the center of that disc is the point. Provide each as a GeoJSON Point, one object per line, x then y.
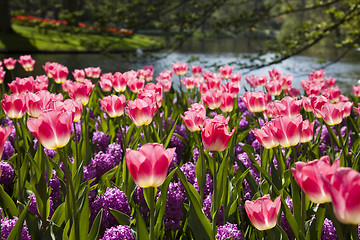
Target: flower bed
{"type": "Point", "coordinates": [118, 156]}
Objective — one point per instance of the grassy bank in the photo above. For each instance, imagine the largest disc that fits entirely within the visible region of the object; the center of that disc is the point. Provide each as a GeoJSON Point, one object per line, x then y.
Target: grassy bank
{"type": "Point", "coordinates": [31, 39]}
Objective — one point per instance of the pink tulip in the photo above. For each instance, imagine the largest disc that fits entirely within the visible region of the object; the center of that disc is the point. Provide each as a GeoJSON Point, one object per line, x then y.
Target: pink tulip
{"type": "Point", "coordinates": [180, 68]}
{"type": "Point", "coordinates": [188, 82]}
{"type": "Point", "coordinates": [212, 99]}
{"type": "Point", "coordinates": [60, 73]}
{"type": "Point", "coordinates": [106, 82]}
{"type": "Point", "coordinates": [275, 74]}
{"type": "Point", "coordinates": [22, 85]}
{"type": "Point", "coordinates": [306, 132]}
{"type": "Point", "coordinates": [255, 102]}
{"type": "Point", "coordinates": [165, 84]}
{"type": "Point", "coordinates": [356, 91]}
{"type": "Point", "coordinates": [96, 71]}
{"type": "Point", "coordinates": [286, 81]}
{"type": "Point", "coordinates": [261, 80]}
{"type": "Point", "coordinates": [81, 91]}
{"type": "Point", "coordinates": [266, 136]}
{"type": "Point", "coordinates": [271, 110]}
{"type": "Point", "coordinates": [41, 83]}
{"type": "Point", "coordinates": [193, 120]}
{"type": "Point", "coordinates": [79, 75]}
{"type": "Point", "coordinates": [347, 108]}
{"type": "Point", "coordinates": [135, 84]}
{"type": "Point", "coordinates": [332, 93]}
{"type": "Point", "coordinates": [141, 111]}
{"type": "Point", "coordinates": [288, 106]}
{"type": "Point", "coordinates": [149, 165]}
{"type": "Point", "coordinates": [344, 187]}
{"type": "Point", "coordinates": [263, 212]}
{"type": "Point", "coordinates": [157, 88]}
{"type": "Point", "coordinates": [196, 70]}
{"type": "Point", "coordinates": [308, 177]}
{"type": "Point", "coordinates": [213, 83]}
{"type": "Point", "coordinates": [274, 87]}
{"type": "Point", "coordinates": [49, 68]}
{"type": "Point", "coordinates": [149, 74]}
{"type": "Point", "coordinates": [287, 130]}
{"type": "Point", "coordinates": [226, 71]}
{"type": "Point", "coordinates": [293, 92]}
{"type": "Point", "coordinates": [113, 105]}
{"type": "Point", "coordinates": [52, 128]}
{"type": "Point", "coordinates": [166, 74]}
{"type": "Point", "coordinates": [10, 63]}
{"type": "Point", "coordinates": [75, 107]}
{"type": "Point", "coordinates": [14, 105]}
{"type": "Point", "coordinates": [27, 62]}
{"type": "Point", "coordinates": [37, 103]}
{"type": "Point", "coordinates": [332, 113]}
{"type": "Point", "coordinates": [232, 88]}
{"type": "Point", "coordinates": [235, 78]}
{"type": "Point", "coordinates": [312, 87]}
{"type": "Point", "coordinates": [2, 75]}
{"type": "Point", "coordinates": [215, 134]}
{"type": "Point", "coordinates": [118, 82]}
{"type": "Point", "coordinates": [252, 81]}
{"type": "Point", "coordinates": [330, 82]}
{"type": "Point", "coordinates": [317, 75]}
{"type": "Point", "coordinates": [227, 102]}
{"type": "Point", "coordinates": [4, 134]}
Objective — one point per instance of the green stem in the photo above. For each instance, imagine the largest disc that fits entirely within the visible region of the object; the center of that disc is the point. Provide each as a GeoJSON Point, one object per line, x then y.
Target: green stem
{"type": "Point", "coordinates": [76, 148]}
{"type": "Point", "coordinates": [354, 232]}
{"type": "Point", "coordinates": [152, 213]}
{"type": "Point", "coordinates": [18, 160]}
{"type": "Point", "coordinates": [202, 166]}
{"type": "Point", "coordinates": [215, 207]}
{"type": "Point", "coordinates": [146, 134]}
{"type": "Point", "coordinates": [71, 197]}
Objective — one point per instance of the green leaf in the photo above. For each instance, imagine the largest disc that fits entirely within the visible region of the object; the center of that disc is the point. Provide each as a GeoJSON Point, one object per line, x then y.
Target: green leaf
{"type": "Point", "coordinates": [317, 224]}
{"type": "Point", "coordinates": [161, 204]}
{"type": "Point", "coordinates": [167, 140]}
{"type": "Point", "coordinates": [7, 203]}
{"type": "Point", "coordinates": [141, 229]}
{"type": "Point", "coordinates": [122, 218]}
{"type": "Point", "coordinates": [58, 217]}
{"type": "Point", "coordinates": [198, 222]}
{"type": "Point", "coordinates": [16, 231]}
{"type": "Point", "coordinates": [84, 214]}
{"type": "Point", "coordinates": [94, 232]}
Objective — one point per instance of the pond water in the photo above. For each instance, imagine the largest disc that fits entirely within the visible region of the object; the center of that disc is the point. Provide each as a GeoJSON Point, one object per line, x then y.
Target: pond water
{"type": "Point", "coordinates": [211, 55]}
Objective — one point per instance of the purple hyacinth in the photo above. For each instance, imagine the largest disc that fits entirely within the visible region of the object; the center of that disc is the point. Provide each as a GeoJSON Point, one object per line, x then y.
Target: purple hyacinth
{"type": "Point", "coordinates": [256, 145]}
{"type": "Point", "coordinates": [196, 154]}
{"type": "Point", "coordinates": [173, 210]}
{"type": "Point", "coordinates": [176, 142]}
{"type": "Point", "coordinates": [101, 140]}
{"type": "Point", "coordinates": [190, 172]}
{"type": "Point", "coordinates": [54, 184]}
{"type": "Point", "coordinates": [208, 188]}
{"type": "Point", "coordinates": [102, 163]}
{"type": "Point", "coordinates": [112, 198]}
{"type": "Point", "coordinates": [8, 224]}
{"type": "Point", "coordinates": [33, 206]}
{"type": "Point", "coordinates": [115, 150]}
{"type": "Point", "coordinates": [229, 231]}
{"type": "Point", "coordinates": [139, 199]}
{"type": "Point", "coordinates": [7, 175]}
{"type": "Point", "coordinates": [243, 123]}
{"type": "Point", "coordinates": [284, 223]}
{"type": "Point", "coordinates": [328, 232]}
{"type": "Point", "coordinates": [8, 150]}
{"type": "Point", "coordinates": [118, 232]}
{"type": "Point", "coordinates": [241, 105]}
{"type": "Point", "coordinates": [78, 130]}
{"type": "Point", "coordinates": [207, 210]}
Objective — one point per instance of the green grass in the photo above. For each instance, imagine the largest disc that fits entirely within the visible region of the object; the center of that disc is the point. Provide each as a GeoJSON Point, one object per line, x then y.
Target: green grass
{"type": "Point", "coordinates": [30, 38]}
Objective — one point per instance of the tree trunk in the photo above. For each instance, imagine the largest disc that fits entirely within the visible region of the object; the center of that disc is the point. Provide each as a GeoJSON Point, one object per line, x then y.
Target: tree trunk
{"type": "Point", "coordinates": [5, 19]}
